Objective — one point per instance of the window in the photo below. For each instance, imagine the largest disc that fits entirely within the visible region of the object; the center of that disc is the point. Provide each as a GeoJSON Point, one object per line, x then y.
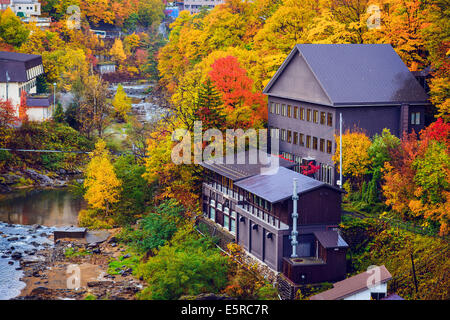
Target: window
{"type": "Point", "coordinates": [283, 134]}
{"type": "Point", "coordinates": [277, 108]}
{"type": "Point", "coordinates": [329, 147]}
{"type": "Point", "coordinates": [295, 138]}
{"type": "Point", "coordinates": [308, 115]}
{"type": "Point", "coordinates": [302, 113]}
{"type": "Point", "coordinates": [315, 143]}
{"type": "Point", "coordinates": [308, 141]}
{"type": "Point", "coordinates": [226, 218]}
{"type": "Point", "coordinates": [322, 145]}
{"type": "Point", "coordinates": [377, 295]}
{"type": "Point", "coordinates": [316, 116]}
{"type": "Point", "coordinates": [289, 111]}
{"type": "Point", "coordinates": [323, 117]}
{"type": "Point", "coordinates": [415, 118]}
{"type": "Point", "coordinates": [272, 107]}
{"type": "Point", "coordinates": [283, 110]}
{"type": "Point", "coordinates": [212, 215]}
{"type": "Point", "coordinates": [301, 140]}
{"type": "Point", "coordinates": [233, 222]}
{"type": "Point", "coordinates": [330, 119]}
{"type": "Point", "coordinates": [295, 112]}
{"type": "Point", "coordinates": [289, 136]}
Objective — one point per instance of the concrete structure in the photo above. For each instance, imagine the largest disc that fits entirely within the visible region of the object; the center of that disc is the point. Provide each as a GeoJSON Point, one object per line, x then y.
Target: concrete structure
{"type": "Point", "coordinates": [22, 8]}
{"type": "Point", "coordinates": [369, 285]}
{"type": "Point", "coordinates": [18, 73]}
{"type": "Point", "coordinates": [256, 210]}
{"type": "Point", "coordinates": [368, 84]}
{"type": "Point", "coordinates": [194, 6]}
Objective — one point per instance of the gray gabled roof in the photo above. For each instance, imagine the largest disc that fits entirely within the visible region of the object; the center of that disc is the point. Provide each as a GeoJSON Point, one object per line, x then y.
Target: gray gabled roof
{"type": "Point", "coordinates": [16, 65]}
{"type": "Point", "coordinates": [278, 186]}
{"type": "Point", "coordinates": [241, 167]}
{"type": "Point", "coordinates": [358, 74]}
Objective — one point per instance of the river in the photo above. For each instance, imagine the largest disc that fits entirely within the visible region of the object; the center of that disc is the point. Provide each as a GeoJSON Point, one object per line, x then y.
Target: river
{"type": "Point", "coordinates": [27, 217]}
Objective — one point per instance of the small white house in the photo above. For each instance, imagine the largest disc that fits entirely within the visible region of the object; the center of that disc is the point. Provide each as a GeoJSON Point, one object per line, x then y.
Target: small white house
{"type": "Point", "coordinates": [18, 73]}
{"type": "Point", "coordinates": [369, 285]}
{"type": "Point", "coordinates": [22, 8]}
{"type": "Point", "coordinates": [194, 6]}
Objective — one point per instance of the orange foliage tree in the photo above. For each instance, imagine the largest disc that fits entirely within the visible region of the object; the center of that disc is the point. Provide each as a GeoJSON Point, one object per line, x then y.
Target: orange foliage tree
{"type": "Point", "coordinates": [23, 115]}
{"type": "Point", "coordinates": [245, 107]}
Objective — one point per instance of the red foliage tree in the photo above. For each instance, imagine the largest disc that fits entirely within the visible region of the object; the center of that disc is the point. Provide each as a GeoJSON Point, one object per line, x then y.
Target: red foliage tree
{"type": "Point", "coordinates": [7, 114]}
{"type": "Point", "coordinates": [236, 87]}
{"type": "Point", "coordinates": [23, 116]}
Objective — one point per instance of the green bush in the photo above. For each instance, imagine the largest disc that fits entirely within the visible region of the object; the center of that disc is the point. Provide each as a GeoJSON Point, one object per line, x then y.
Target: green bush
{"type": "Point", "coordinates": [188, 265]}
{"type": "Point", "coordinates": [156, 228]}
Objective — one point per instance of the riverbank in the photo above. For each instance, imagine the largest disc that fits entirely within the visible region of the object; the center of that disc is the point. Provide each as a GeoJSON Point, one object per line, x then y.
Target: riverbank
{"type": "Point", "coordinates": [16, 179]}
{"type": "Point", "coordinates": [50, 277]}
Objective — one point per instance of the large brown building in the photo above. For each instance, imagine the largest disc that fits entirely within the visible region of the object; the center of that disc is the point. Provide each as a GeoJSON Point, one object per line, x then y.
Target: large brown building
{"type": "Point", "coordinates": [255, 209]}
{"type": "Point", "coordinates": [368, 84]}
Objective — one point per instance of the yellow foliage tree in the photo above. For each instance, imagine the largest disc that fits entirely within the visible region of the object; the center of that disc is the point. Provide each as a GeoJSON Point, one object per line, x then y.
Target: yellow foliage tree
{"type": "Point", "coordinates": [101, 183]}
{"type": "Point", "coordinates": [117, 51]}
{"type": "Point", "coordinates": [355, 156]}
{"type": "Point", "coordinates": [121, 103]}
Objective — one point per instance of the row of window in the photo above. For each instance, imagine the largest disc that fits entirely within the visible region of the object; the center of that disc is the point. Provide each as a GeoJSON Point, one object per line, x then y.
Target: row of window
{"type": "Point", "coordinates": [229, 217]}
{"type": "Point", "coordinates": [308, 114]}
{"type": "Point", "coordinates": [302, 140]}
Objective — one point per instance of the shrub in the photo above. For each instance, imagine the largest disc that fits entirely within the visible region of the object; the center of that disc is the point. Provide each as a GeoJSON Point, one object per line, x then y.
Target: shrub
{"type": "Point", "coordinates": [188, 265]}
{"type": "Point", "coordinates": [93, 219]}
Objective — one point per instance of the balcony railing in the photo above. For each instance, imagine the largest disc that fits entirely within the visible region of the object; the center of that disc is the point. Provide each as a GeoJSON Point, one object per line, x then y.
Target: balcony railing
{"type": "Point", "coordinates": [259, 214]}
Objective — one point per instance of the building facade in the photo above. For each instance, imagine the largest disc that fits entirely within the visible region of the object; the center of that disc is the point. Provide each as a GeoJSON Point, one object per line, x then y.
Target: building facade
{"type": "Point", "coordinates": [368, 84]}
{"type": "Point", "coordinates": [22, 8]}
{"type": "Point", "coordinates": [195, 6]}
{"type": "Point", "coordinates": [18, 73]}
{"type": "Point", "coordinates": [369, 285]}
{"type": "Point", "coordinates": [256, 210]}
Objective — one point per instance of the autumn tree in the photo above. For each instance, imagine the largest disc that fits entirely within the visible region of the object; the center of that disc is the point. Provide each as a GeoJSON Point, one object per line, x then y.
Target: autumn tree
{"type": "Point", "coordinates": [117, 51]}
{"type": "Point", "coordinates": [8, 115]}
{"type": "Point", "coordinates": [355, 156]}
{"type": "Point", "coordinates": [101, 183]}
{"type": "Point", "coordinates": [244, 107]}
{"type": "Point", "coordinates": [94, 107]}
{"type": "Point", "coordinates": [12, 30]}
{"type": "Point", "coordinates": [23, 115]}
{"type": "Point", "coordinates": [121, 103]}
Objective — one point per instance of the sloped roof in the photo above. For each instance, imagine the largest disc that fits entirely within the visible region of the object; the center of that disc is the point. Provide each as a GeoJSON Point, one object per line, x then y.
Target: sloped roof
{"type": "Point", "coordinates": [330, 239]}
{"type": "Point", "coordinates": [17, 64]}
{"type": "Point", "coordinates": [241, 168]}
{"type": "Point", "coordinates": [278, 186]}
{"type": "Point", "coordinates": [358, 74]}
{"type": "Point", "coordinates": [352, 285]}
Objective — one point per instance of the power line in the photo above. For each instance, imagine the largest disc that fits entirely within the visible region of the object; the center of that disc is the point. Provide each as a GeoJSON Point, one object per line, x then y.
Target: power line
{"type": "Point", "coordinates": [45, 151]}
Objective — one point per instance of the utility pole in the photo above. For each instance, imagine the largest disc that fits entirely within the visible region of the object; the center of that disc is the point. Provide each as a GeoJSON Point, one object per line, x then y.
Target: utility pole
{"type": "Point", "coordinates": [340, 151]}
{"type": "Point", "coordinates": [414, 272]}
{"type": "Point", "coordinates": [7, 82]}
{"type": "Point", "coordinates": [294, 221]}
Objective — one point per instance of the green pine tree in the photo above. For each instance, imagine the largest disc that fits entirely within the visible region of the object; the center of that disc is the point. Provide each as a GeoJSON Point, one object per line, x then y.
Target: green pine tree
{"type": "Point", "coordinates": [209, 108]}
{"type": "Point", "coordinates": [58, 114]}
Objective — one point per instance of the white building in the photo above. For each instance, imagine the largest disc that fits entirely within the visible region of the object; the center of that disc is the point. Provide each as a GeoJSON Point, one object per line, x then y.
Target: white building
{"type": "Point", "coordinates": [369, 285]}
{"type": "Point", "coordinates": [22, 8]}
{"type": "Point", "coordinates": [194, 6]}
{"type": "Point", "coordinates": [18, 73]}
